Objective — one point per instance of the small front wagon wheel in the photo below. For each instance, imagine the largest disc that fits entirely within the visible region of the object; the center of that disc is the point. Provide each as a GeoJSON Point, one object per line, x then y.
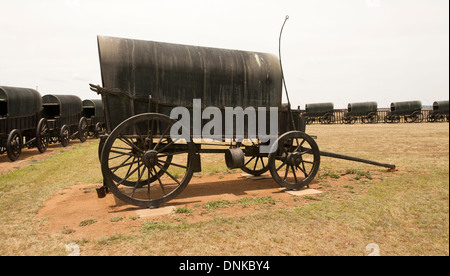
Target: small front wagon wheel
{"type": "Point", "coordinates": [142, 165]}
{"type": "Point", "coordinates": [42, 135]}
{"type": "Point", "coordinates": [83, 130]}
{"type": "Point", "coordinates": [64, 136]}
{"type": "Point", "coordinates": [14, 145]}
{"type": "Point", "coordinates": [294, 160]}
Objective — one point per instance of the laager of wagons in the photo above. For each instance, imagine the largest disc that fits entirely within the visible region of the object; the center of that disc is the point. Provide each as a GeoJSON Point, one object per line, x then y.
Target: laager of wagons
{"type": "Point", "coordinates": [28, 120]}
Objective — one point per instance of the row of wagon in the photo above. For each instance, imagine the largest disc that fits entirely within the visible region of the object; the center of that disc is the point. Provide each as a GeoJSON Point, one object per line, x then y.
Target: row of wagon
{"type": "Point", "coordinates": [29, 120]}
{"type": "Point", "coordinates": [368, 112]}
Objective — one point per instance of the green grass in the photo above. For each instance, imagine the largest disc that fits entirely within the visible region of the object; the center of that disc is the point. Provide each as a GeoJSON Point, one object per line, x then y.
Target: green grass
{"type": "Point", "coordinates": [405, 213]}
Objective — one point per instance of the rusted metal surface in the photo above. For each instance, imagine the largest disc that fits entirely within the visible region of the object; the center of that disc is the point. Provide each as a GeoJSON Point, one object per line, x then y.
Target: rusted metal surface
{"type": "Point", "coordinates": [176, 74]}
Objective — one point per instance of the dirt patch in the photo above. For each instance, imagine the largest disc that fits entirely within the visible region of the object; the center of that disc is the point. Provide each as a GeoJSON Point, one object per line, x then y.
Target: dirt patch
{"type": "Point", "coordinates": [29, 156]}
{"type": "Point", "coordinates": [78, 211]}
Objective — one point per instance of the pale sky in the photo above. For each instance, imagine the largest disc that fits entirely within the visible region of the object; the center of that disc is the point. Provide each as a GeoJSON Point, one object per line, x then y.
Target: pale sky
{"type": "Point", "coordinates": [338, 51]}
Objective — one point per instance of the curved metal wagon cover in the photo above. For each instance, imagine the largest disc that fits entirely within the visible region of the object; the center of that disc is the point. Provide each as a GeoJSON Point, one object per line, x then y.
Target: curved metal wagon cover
{"type": "Point", "coordinates": [21, 102]}
{"type": "Point", "coordinates": [319, 109]}
{"type": "Point", "coordinates": [442, 106]}
{"type": "Point", "coordinates": [409, 106]}
{"type": "Point", "coordinates": [176, 74]}
{"type": "Point", "coordinates": [69, 104]}
{"type": "Point", "coordinates": [362, 108]}
{"type": "Point", "coordinates": [96, 104]}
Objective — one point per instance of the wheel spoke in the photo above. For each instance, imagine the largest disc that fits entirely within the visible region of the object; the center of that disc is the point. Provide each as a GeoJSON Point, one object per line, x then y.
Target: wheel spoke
{"type": "Point", "coordinates": [130, 143]}
{"type": "Point", "coordinates": [172, 164]}
{"type": "Point", "coordinates": [256, 162]}
{"type": "Point", "coordinates": [123, 153]}
{"type": "Point", "coordinates": [140, 174]}
{"type": "Point", "coordinates": [168, 145]}
{"type": "Point", "coordinates": [295, 176]}
{"type": "Point", "coordinates": [124, 164]}
{"type": "Point", "coordinates": [166, 172]}
{"type": "Point", "coordinates": [249, 161]}
{"type": "Point", "coordinates": [286, 174]}
{"type": "Point", "coordinates": [162, 136]}
{"type": "Point", "coordinates": [282, 165]}
{"type": "Point", "coordinates": [127, 176]}
{"type": "Point", "coordinates": [160, 183]}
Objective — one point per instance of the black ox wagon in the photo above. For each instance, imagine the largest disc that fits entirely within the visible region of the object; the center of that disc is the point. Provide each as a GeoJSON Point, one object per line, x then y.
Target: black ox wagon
{"type": "Point", "coordinates": [63, 119]}
{"type": "Point", "coordinates": [145, 163]}
{"type": "Point", "coordinates": [410, 111]}
{"type": "Point", "coordinates": [93, 112]}
{"type": "Point", "coordinates": [20, 122]}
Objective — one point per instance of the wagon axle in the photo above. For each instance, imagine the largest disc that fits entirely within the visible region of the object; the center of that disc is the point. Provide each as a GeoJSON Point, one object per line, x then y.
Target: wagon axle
{"type": "Point", "coordinates": [150, 159]}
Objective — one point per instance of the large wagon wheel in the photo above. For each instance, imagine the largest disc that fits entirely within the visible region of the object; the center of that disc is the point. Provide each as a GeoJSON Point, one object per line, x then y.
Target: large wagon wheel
{"type": "Point", "coordinates": [14, 145]}
{"type": "Point", "coordinates": [141, 152]}
{"type": "Point", "coordinates": [417, 117]}
{"type": "Point", "coordinates": [255, 163]}
{"type": "Point", "coordinates": [294, 160]}
{"type": "Point", "coordinates": [64, 136]}
{"type": "Point", "coordinates": [83, 129]}
{"type": "Point", "coordinates": [372, 118]}
{"type": "Point", "coordinates": [42, 135]}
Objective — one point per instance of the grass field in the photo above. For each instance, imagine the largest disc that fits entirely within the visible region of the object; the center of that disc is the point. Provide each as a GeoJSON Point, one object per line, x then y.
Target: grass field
{"type": "Point", "coordinates": [406, 213]}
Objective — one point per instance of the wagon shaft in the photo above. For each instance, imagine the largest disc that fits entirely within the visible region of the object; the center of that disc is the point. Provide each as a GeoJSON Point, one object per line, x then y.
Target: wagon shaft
{"type": "Point", "coordinates": [356, 159]}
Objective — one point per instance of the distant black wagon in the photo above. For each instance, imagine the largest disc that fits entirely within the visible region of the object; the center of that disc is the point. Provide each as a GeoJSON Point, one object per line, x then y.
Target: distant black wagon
{"type": "Point", "coordinates": [440, 112]}
{"type": "Point", "coordinates": [366, 112]}
{"type": "Point", "coordinates": [93, 112]}
{"type": "Point", "coordinates": [20, 122]}
{"type": "Point", "coordinates": [410, 112]}
{"type": "Point", "coordinates": [62, 114]}
{"type": "Point", "coordinates": [319, 112]}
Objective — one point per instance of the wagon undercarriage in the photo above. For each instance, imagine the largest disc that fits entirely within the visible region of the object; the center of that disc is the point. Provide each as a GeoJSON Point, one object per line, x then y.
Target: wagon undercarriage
{"type": "Point", "coordinates": [148, 168]}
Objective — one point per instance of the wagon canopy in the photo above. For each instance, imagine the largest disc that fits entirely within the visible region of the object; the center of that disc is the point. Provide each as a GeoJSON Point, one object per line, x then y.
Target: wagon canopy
{"type": "Point", "coordinates": [20, 102]}
{"type": "Point", "coordinates": [68, 104]}
{"type": "Point", "coordinates": [442, 106]}
{"type": "Point", "coordinates": [410, 106]}
{"type": "Point", "coordinates": [176, 74]}
{"type": "Point", "coordinates": [95, 105]}
{"type": "Point", "coordinates": [319, 109]}
{"type": "Point", "coordinates": [362, 108]}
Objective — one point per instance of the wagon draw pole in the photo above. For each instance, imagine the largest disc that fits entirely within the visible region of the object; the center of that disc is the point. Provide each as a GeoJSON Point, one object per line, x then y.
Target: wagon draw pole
{"type": "Point", "coordinates": [355, 159]}
{"type": "Point", "coordinates": [282, 75]}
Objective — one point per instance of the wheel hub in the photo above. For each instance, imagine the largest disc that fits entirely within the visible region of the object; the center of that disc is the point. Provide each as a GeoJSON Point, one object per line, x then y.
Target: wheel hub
{"type": "Point", "coordinates": [150, 158]}
{"type": "Point", "coordinates": [294, 158]}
